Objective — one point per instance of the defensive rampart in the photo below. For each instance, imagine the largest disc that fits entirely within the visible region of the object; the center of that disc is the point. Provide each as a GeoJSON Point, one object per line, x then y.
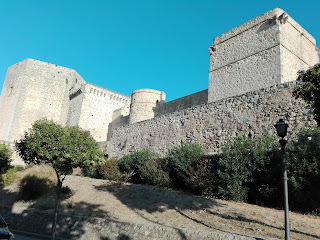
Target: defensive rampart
{"type": "Point", "coordinates": [214, 124]}
{"type": "Point", "coordinates": [182, 103]}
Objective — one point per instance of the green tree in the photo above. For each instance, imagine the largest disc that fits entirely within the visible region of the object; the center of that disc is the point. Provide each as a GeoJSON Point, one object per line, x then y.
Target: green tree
{"type": "Point", "coordinates": [5, 158]}
{"type": "Point", "coordinates": [134, 162]}
{"type": "Point", "coordinates": [304, 171]}
{"type": "Point", "coordinates": [179, 160]}
{"type": "Point", "coordinates": [62, 148]}
{"type": "Point", "coordinates": [243, 166]}
{"type": "Point", "coordinates": [309, 89]}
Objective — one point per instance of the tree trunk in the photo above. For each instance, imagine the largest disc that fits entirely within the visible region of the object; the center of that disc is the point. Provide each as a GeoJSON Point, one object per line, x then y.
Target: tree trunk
{"type": "Point", "coordinates": [54, 224]}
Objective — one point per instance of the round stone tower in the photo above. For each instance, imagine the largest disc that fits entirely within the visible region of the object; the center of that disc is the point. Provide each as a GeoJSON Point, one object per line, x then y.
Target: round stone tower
{"type": "Point", "coordinates": [143, 102]}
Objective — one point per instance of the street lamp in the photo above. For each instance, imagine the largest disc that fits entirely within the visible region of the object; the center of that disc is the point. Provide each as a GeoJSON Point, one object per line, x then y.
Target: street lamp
{"type": "Point", "coordinates": [282, 127]}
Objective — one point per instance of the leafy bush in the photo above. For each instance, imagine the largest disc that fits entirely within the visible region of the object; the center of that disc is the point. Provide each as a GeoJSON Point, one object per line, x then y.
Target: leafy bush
{"type": "Point", "coordinates": [199, 177]}
{"type": "Point", "coordinates": [32, 187]}
{"type": "Point", "coordinates": [5, 158]}
{"type": "Point", "coordinates": [8, 177]}
{"type": "Point", "coordinates": [110, 170]}
{"type": "Point", "coordinates": [180, 159]}
{"type": "Point", "coordinates": [240, 162]}
{"type": "Point", "coordinates": [132, 164]}
{"type": "Point", "coordinates": [309, 89]}
{"type": "Point", "coordinates": [153, 174]}
{"type": "Point", "coordinates": [265, 188]}
{"type": "Point", "coordinates": [304, 171]}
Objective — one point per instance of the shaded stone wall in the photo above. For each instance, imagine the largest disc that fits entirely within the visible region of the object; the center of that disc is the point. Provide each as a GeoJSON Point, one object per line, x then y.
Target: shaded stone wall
{"type": "Point", "coordinates": [214, 124]}
{"type": "Point", "coordinates": [182, 103]}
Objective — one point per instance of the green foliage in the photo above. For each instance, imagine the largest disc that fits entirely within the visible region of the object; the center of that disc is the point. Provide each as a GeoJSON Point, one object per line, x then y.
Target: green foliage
{"type": "Point", "coordinates": [180, 159]}
{"type": "Point", "coordinates": [304, 171]}
{"type": "Point", "coordinates": [153, 174]}
{"type": "Point", "coordinates": [199, 177]}
{"type": "Point", "coordinates": [62, 148]}
{"type": "Point", "coordinates": [84, 151]}
{"type": "Point", "coordinates": [309, 89]}
{"type": "Point", "coordinates": [132, 163]}
{"type": "Point", "coordinates": [32, 187]}
{"type": "Point", "coordinates": [240, 161]}
{"type": "Point", "coordinates": [110, 170]}
{"type": "Point", "coordinates": [266, 181]}
{"type": "Point", "coordinates": [5, 158]}
{"type": "Point", "coordinates": [8, 177]}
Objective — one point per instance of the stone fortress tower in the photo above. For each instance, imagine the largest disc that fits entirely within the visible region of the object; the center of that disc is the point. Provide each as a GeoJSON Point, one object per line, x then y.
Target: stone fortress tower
{"type": "Point", "coordinates": [249, 68]}
{"type": "Point", "coordinates": [34, 90]}
{"type": "Point", "coordinates": [143, 102]}
{"type": "Point", "coordinates": [262, 52]}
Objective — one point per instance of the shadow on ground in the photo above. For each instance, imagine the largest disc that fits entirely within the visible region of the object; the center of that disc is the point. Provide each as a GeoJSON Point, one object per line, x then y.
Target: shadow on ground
{"type": "Point", "coordinates": [153, 199]}
{"type": "Point", "coordinates": [36, 216]}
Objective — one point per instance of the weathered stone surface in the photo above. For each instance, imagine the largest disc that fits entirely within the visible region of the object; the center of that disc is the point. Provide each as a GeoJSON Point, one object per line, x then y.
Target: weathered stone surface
{"type": "Point", "coordinates": [182, 103]}
{"type": "Point", "coordinates": [34, 90]}
{"type": "Point", "coordinates": [97, 110]}
{"type": "Point", "coordinates": [143, 102]}
{"type": "Point", "coordinates": [262, 52]}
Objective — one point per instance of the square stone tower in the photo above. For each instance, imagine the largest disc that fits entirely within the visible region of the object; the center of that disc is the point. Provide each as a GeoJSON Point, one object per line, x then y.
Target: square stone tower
{"type": "Point", "coordinates": [33, 90]}
{"type": "Point", "coordinates": [265, 51]}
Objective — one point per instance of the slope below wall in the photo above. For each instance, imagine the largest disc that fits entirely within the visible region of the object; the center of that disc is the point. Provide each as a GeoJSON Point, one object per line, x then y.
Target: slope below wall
{"type": "Point", "coordinates": [212, 125]}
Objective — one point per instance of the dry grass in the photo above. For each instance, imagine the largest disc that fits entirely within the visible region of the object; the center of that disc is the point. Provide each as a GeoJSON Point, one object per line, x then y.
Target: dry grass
{"type": "Point", "coordinates": [145, 204]}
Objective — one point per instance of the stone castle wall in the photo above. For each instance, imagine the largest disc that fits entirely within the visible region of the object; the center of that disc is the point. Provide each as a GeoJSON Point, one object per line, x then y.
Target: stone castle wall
{"type": "Point", "coordinates": [182, 103]}
{"type": "Point", "coordinates": [97, 109]}
{"type": "Point", "coordinates": [214, 124]}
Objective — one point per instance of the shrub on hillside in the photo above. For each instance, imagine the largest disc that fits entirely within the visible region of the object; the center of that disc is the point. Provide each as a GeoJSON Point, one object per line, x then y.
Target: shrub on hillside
{"type": "Point", "coordinates": [132, 164]}
{"type": "Point", "coordinates": [180, 159]}
{"type": "Point", "coordinates": [241, 161]}
{"type": "Point", "coordinates": [266, 183]}
{"type": "Point", "coordinates": [199, 177]}
{"type": "Point", "coordinates": [8, 177]}
{"type": "Point", "coordinates": [110, 170]}
{"type": "Point", "coordinates": [32, 187]}
{"type": "Point", "coordinates": [153, 174]}
{"type": "Point", "coordinates": [5, 158]}
{"type": "Point", "coordinates": [304, 171]}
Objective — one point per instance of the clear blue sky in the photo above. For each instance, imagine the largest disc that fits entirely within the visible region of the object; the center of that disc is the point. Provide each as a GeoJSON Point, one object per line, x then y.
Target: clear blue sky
{"type": "Point", "coordinates": [124, 45]}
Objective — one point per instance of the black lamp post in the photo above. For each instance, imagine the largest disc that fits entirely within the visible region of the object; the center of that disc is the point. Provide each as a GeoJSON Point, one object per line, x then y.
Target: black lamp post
{"type": "Point", "coordinates": [282, 127]}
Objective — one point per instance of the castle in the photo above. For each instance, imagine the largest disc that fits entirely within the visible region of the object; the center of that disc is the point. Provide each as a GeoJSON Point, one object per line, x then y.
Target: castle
{"type": "Point", "coordinates": [252, 71]}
